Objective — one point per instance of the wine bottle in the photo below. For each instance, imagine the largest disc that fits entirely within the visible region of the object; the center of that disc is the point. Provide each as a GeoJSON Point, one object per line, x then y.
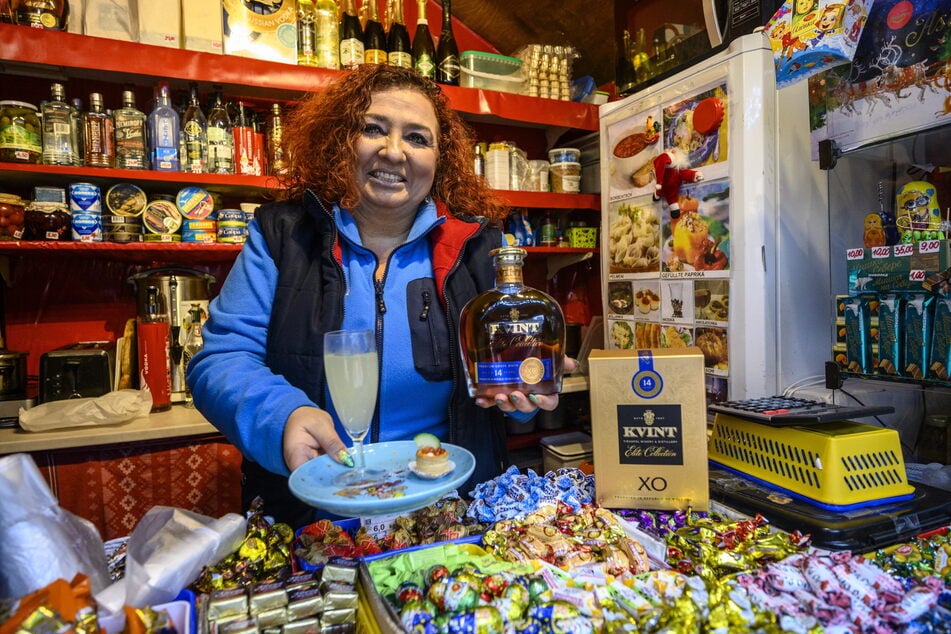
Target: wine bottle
{"type": "Point", "coordinates": [399, 51]}
{"type": "Point", "coordinates": [351, 37]}
{"type": "Point", "coordinates": [220, 140]}
{"type": "Point", "coordinates": [327, 29]}
{"type": "Point", "coordinates": [424, 53]}
{"type": "Point", "coordinates": [447, 52]}
{"type": "Point", "coordinates": [99, 141]}
{"type": "Point", "coordinates": [306, 33]}
{"type": "Point", "coordinates": [195, 127]}
{"type": "Point", "coordinates": [374, 38]}
{"type": "Point", "coordinates": [130, 125]}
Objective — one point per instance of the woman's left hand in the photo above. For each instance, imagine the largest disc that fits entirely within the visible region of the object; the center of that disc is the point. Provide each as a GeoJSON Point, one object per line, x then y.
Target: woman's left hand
{"type": "Point", "coordinates": [526, 403]}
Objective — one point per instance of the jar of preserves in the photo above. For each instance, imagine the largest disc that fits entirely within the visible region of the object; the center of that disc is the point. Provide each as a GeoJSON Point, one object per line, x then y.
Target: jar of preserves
{"type": "Point", "coordinates": [12, 217]}
{"type": "Point", "coordinates": [20, 137]}
{"type": "Point", "coordinates": [48, 221]}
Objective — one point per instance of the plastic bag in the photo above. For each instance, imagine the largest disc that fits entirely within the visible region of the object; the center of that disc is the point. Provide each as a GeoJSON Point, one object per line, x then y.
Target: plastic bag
{"type": "Point", "coordinates": [39, 541]}
{"type": "Point", "coordinates": [114, 408]}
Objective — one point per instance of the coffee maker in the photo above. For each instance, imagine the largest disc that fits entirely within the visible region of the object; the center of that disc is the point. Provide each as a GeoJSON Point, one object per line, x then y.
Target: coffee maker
{"type": "Point", "coordinates": [181, 291]}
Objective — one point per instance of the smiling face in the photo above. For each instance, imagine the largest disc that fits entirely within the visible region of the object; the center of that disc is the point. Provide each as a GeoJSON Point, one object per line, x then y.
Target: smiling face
{"type": "Point", "coordinates": [397, 152]}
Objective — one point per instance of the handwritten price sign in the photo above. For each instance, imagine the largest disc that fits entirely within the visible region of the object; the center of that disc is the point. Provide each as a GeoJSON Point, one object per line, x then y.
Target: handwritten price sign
{"type": "Point", "coordinates": [855, 254]}
{"type": "Point", "coordinates": [929, 246]}
{"type": "Point", "coordinates": [904, 250]}
{"type": "Point", "coordinates": [916, 276]}
{"type": "Point", "coordinates": [881, 252]}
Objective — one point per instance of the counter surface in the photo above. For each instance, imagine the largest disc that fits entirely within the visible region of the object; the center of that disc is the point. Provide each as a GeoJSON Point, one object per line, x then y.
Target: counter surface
{"type": "Point", "coordinates": [178, 422]}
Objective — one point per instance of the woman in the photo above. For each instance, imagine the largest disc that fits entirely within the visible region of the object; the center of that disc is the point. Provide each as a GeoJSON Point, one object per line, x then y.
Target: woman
{"type": "Point", "coordinates": [385, 226]}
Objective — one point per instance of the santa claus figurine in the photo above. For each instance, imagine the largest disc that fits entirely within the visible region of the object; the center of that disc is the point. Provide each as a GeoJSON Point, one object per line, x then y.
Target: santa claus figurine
{"type": "Point", "coordinates": [670, 170]}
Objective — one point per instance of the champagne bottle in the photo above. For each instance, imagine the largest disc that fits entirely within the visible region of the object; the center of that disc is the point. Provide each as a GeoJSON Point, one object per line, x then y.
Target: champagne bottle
{"type": "Point", "coordinates": [399, 51]}
{"type": "Point", "coordinates": [195, 127]}
{"type": "Point", "coordinates": [98, 134]}
{"type": "Point", "coordinates": [447, 52]}
{"type": "Point", "coordinates": [327, 28]}
{"type": "Point", "coordinates": [59, 142]}
{"type": "Point", "coordinates": [306, 33]}
{"type": "Point", "coordinates": [130, 125]}
{"type": "Point", "coordinates": [194, 342]}
{"type": "Point", "coordinates": [424, 53]}
{"type": "Point", "coordinates": [351, 37]}
{"type": "Point", "coordinates": [164, 132]}
{"type": "Point", "coordinates": [374, 38]}
{"type": "Point", "coordinates": [220, 141]}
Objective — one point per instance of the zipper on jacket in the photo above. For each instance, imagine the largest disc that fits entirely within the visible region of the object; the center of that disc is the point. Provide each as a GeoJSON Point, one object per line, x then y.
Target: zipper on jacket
{"type": "Point", "coordinates": [436, 345]}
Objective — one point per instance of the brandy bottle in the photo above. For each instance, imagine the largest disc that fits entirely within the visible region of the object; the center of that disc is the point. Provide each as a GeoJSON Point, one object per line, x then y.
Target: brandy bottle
{"type": "Point", "coordinates": [512, 336]}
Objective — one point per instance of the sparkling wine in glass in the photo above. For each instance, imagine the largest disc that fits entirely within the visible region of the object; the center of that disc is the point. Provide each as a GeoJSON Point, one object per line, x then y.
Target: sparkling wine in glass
{"type": "Point", "coordinates": [352, 369]}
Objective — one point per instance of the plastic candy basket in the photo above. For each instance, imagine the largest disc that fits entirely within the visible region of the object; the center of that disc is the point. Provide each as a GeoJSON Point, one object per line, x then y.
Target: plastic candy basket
{"type": "Point", "coordinates": [840, 465]}
{"type": "Point", "coordinates": [582, 237]}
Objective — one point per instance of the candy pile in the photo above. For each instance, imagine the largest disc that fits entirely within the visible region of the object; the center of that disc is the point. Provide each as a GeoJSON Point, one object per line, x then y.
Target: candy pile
{"type": "Point", "coordinates": [918, 559]}
{"type": "Point", "coordinates": [514, 494]}
{"type": "Point", "coordinates": [659, 523]}
{"type": "Point", "coordinates": [836, 591]}
{"type": "Point", "coordinates": [592, 536]}
{"type": "Point", "coordinates": [264, 554]}
{"type": "Point", "coordinates": [444, 520]}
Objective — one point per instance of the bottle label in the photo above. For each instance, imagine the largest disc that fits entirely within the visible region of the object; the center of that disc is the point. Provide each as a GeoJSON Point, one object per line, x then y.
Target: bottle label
{"type": "Point", "coordinates": [425, 66]}
{"type": "Point", "coordinates": [374, 56]}
{"type": "Point", "coordinates": [351, 54]}
{"type": "Point", "coordinates": [449, 67]}
{"type": "Point", "coordinates": [530, 370]}
{"type": "Point", "coordinates": [165, 159]}
{"type": "Point", "coordinates": [401, 59]}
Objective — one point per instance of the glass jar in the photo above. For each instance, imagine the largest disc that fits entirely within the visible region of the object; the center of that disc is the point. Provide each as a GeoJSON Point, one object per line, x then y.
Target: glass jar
{"type": "Point", "coordinates": [12, 217]}
{"type": "Point", "coordinates": [48, 221]}
{"type": "Point", "coordinates": [20, 137]}
{"type": "Point", "coordinates": [933, 439]}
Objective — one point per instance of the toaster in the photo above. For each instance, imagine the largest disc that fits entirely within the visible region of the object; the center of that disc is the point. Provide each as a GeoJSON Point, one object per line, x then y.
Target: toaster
{"type": "Point", "coordinates": [77, 370]}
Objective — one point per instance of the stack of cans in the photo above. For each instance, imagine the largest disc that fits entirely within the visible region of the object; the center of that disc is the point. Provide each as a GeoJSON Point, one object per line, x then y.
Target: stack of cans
{"type": "Point", "coordinates": [232, 226]}
{"type": "Point", "coordinates": [197, 209]}
{"type": "Point", "coordinates": [125, 203]}
{"type": "Point", "coordinates": [85, 208]}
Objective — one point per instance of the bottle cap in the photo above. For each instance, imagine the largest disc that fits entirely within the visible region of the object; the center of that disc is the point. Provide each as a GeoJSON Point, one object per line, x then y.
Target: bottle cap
{"type": "Point", "coordinates": [708, 115]}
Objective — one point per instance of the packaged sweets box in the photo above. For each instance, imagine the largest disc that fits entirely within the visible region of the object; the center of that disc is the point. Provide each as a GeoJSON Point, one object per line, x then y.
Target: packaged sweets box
{"type": "Point", "coordinates": [649, 428]}
{"type": "Point", "coordinates": [900, 267]}
{"type": "Point", "coordinates": [269, 35]}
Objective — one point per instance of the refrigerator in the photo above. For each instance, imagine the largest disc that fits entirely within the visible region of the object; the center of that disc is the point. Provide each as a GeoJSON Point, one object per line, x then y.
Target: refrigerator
{"type": "Point", "coordinates": [742, 272]}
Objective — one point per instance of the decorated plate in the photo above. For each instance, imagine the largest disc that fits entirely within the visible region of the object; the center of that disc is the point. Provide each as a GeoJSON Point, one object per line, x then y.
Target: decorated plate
{"type": "Point", "coordinates": [398, 491]}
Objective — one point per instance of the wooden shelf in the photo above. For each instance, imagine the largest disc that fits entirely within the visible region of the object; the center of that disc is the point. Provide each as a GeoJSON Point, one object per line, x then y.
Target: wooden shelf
{"type": "Point", "coordinates": [59, 56]}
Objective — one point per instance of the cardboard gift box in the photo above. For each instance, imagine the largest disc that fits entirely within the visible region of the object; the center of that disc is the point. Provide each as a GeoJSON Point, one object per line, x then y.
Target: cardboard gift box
{"type": "Point", "coordinates": [270, 34]}
{"type": "Point", "coordinates": [649, 428]}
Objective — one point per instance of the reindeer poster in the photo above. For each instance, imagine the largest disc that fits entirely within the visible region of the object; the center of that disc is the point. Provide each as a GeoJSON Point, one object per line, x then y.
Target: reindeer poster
{"type": "Point", "coordinates": [899, 81]}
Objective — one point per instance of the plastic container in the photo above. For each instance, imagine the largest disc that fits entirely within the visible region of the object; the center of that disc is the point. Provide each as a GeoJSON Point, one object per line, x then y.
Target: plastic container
{"type": "Point", "coordinates": [565, 450]}
{"type": "Point", "coordinates": [489, 71]}
{"type": "Point", "coordinates": [565, 178]}
{"type": "Point", "coordinates": [564, 155]}
{"type": "Point", "coordinates": [582, 237]}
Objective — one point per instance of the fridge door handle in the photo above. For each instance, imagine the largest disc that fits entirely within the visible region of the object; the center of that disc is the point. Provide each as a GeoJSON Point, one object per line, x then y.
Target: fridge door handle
{"type": "Point", "coordinates": [712, 22]}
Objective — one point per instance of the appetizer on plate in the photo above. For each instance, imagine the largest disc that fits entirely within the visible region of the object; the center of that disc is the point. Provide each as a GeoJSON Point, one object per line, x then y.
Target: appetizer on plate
{"type": "Point", "coordinates": [432, 459]}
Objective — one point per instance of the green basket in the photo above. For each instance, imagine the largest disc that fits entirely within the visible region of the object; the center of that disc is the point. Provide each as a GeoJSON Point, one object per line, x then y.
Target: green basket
{"type": "Point", "coordinates": [582, 237]}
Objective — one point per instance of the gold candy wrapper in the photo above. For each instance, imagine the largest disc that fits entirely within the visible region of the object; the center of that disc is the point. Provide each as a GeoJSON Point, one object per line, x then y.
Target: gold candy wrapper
{"type": "Point", "coordinates": [649, 428]}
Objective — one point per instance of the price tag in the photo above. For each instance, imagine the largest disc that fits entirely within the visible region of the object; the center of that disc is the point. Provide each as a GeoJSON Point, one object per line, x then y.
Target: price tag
{"type": "Point", "coordinates": [903, 250]}
{"type": "Point", "coordinates": [929, 246]}
{"type": "Point", "coordinates": [916, 275]}
{"type": "Point", "coordinates": [881, 252]}
{"type": "Point", "coordinates": [379, 525]}
{"type": "Point", "coordinates": [855, 254]}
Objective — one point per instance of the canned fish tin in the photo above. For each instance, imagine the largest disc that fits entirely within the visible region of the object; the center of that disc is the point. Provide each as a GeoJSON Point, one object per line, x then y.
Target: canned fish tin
{"type": "Point", "coordinates": [199, 225]}
{"type": "Point", "coordinates": [87, 227]}
{"type": "Point", "coordinates": [194, 203]}
{"type": "Point", "coordinates": [232, 235]}
{"type": "Point", "coordinates": [199, 236]}
{"type": "Point", "coordinates": [85, 198]}
{"type": "Point", "coordinates": [231, 215]}
{"type": "Point", "coordinates": [161, 217]}
{"type": "Point", "coordinates": [125, 199]}
{"type": "Point", "coordinates": [166, 237]}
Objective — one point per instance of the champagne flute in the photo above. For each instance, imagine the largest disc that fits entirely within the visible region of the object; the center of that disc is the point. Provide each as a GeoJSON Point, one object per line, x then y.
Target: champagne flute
{"type": "Point", "coordinates": [350, 363]}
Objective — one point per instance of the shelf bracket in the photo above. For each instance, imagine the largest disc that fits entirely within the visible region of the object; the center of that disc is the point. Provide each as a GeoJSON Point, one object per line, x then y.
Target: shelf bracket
{"type": "Point", "coordinates": [558, 262]}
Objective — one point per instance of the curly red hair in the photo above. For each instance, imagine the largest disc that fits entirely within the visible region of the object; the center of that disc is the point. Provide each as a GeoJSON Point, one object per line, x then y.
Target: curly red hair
{"type": "Point", "coordinates": [320, 136]}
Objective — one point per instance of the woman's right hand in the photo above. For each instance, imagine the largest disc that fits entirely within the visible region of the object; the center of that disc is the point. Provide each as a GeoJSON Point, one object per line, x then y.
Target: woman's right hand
{"type": "Point", "coordinates": [308, 433]}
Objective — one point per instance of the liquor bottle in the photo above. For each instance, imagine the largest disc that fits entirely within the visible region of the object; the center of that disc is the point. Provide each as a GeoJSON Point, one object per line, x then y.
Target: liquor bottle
{"type": "Point", "coordinates": [76, 128]}
{"type": "Point", "coordinates": [59, 143]}
{"type": "Point", "coordinates": [163, 133]}
{"type": "Point", "coordinates": [479, 161]}
{"type": "Point", "coordinates": [194, 342]}
{"type": "Point", "coordinates": [42, 14]}
{"type": "Point", "coordinates": [548, 231]}
{"type": "Point", "coordinates": [275, 138]}
{"type": "Point", "coordinates": [374, 37]}
{"type": "Point", "coordinates": [99, 140]}
{"type": "Point", "coordinates": [513, 336]}
{"type": "Point", "coordinates": [424, 53]}
{"type": "Point", "coordinates": [351, 37]}
{"type": "Point", "coordinates": [327, 28]}
{"type": "Point", "coordinates": [306, 33]}
{"type": "Point", "coordinates": [220, 139]}
{"type": "Point", "coordinates": [130, 126]}
{"type": "Point", "coordinates": [152, 340]}
{"type": "Point", "coordinates": [447, 52]}
{"type": "Point", "coordinates": [247, 153]}
{"type": "Point", "coordinates": [399, 50]}
{"type": "Point", "coordinates": [195, 129]}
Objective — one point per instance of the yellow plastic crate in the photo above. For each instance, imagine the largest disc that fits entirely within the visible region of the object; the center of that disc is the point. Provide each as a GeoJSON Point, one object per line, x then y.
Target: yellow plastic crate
{"type": "Point", "coordinates": [835, 465]}
{"type": "Point", "coordinates": [582, 237]}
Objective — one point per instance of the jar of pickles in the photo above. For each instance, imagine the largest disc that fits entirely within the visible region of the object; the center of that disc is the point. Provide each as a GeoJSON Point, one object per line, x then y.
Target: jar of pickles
{"type": "Point", "coordinates": [11, 217]}
{"type": "Point", "coordinates": [20, 137]}
{"type": "Point", "coordinates": [48, 221]}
